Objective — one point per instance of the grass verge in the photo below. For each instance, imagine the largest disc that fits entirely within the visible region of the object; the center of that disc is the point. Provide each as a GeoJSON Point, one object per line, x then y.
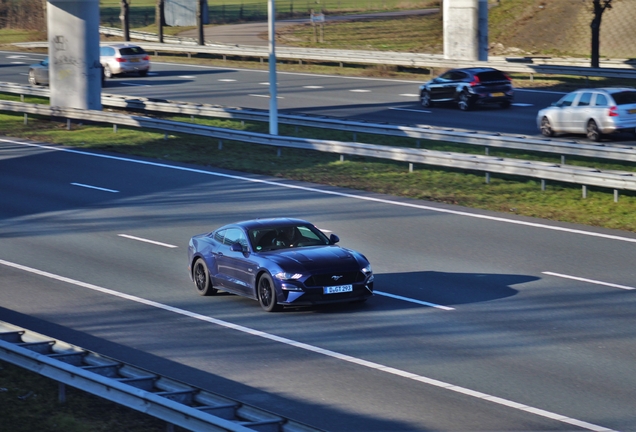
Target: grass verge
{"type": "Point", "coordinates": [29, 402]}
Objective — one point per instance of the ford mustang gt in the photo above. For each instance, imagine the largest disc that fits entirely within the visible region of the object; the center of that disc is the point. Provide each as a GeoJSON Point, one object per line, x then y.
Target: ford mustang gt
{"type": "Point", "coordinates": [280, 262]}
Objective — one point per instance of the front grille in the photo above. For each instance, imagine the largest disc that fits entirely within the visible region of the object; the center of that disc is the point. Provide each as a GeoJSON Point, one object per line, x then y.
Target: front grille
{"type": "Point", "coordinates": [331, 279]}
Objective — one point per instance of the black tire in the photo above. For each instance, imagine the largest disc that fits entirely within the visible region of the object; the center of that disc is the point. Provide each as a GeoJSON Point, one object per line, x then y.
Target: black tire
{"type": "Point", "coordinates": [505, 104]}
{"type": "Point", "coordinates": [546, 127]}
{"type": "Point", "coordinates": [107, 72]}
{"type": "Point", "coordinates": [32, 79]}
{"type": "Point", "coordinates": [464, 102]}
{"type": "Point", "coordinates": [593, 133]}
{"type": "Point", "coordinates": [267, 294]}
{"type": "Point", "coordinates": [425, 99]}
{"type": "Point", "coordinates": [201, 276]}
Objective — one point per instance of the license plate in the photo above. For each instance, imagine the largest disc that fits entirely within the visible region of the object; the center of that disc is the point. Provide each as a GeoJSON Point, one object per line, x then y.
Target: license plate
{"type": "Point", "coordinates": [338, 289]}
{"type": "Point", "coordinates": [496, 94]}
{"type": "Point", "coordinates": [632, 111]}
{"type": "Point", "coordinates": [134, 60]}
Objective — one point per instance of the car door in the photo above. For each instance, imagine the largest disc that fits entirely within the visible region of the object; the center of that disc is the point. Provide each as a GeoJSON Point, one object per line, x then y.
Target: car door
{"type": "Point", "coordinates": [236, 270]}
{"type": "Point", "coordinates": [561, 118]}
{"type": "Point", "coordinates": [581, 112]}
{"type": "Point", "coordinates": [440, 86]}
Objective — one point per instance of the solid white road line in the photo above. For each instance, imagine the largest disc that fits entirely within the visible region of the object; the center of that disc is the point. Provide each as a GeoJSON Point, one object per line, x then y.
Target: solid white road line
{"type": "Point", "coordinates": [265, 96]}
{"type": "Point", "coordinates": [360, 91]}
{"type": "Point", "coordinates": [409, 204]}
{"type": "Point", "coordinates": [95, 187]}
{"type": "Point", "coordinates": [411, 110]}
{"type": "Point", "coordinates": [592, 281]}
{"type": "Point", "coordinates": [147, 241]}
{"type": "Point", "coordinates": [413, 300]}
{"type": "Point", "coordinates": [318, 350]}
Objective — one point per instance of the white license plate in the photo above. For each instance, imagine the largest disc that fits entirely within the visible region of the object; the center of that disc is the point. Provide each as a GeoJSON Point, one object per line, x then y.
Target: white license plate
{"type": "Point", "coordinates": [338, 289]}
{"type": "Point", "coordinates": [632, 111]}
{"type": "Point", "coordinates": [496, 94]}
{"type": "Point", "coordinates": [134, 60]}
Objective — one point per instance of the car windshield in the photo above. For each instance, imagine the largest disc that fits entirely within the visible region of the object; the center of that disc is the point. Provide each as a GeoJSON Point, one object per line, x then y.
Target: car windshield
{"type": "Point", "coordinates": [625, 97]}
{"type": "Point", "coordinates": [286, 236]}
{"type": "Point", "coordinates": [132, 51]}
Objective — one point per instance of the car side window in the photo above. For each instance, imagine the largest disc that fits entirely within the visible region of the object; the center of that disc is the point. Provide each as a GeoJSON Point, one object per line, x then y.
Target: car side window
{"type": "Point", "coordinates": [567, 100]}
{"type": "Point", "coordinates": [585, 99]}
{"type": "Point", "coordinates": [235, 235]}
{"type": "Point", "coordinates": [459, 76]}
{"type": "Point", "coordinates": [219, 235]}
{"type": "Point", "coordinates": [446, 76]}
{"type": "Point", "coordinates": [601, 100]}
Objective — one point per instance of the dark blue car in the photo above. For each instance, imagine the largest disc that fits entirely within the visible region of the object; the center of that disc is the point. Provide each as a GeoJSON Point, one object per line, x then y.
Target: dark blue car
{"type": "Point", "coordinates": [279, 262]}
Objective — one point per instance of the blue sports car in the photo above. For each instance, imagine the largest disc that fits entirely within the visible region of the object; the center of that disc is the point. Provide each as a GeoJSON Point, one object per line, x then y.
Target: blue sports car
{"type": "Point", "coordinates": [279, 262]}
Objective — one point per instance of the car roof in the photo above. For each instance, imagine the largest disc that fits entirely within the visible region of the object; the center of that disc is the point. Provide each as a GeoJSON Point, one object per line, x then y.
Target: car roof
{"type": "Point", "coordinates": [478, 69]}
{"type": "Point", "coordinates": [268, 222]}
{"type": "Point", "coordinates": [121, 45]}
{"type": "Point", "coordinates": [607, 89]}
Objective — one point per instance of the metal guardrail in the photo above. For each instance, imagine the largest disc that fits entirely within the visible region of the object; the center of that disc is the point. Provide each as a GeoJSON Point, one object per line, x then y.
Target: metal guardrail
{"type": "Point", "coordinates": [175, 402]}
{"type": "Point", "coordinates": [617, 180]}
{"type": "Point", "coordinates": [544, 145]}
{"type": "Point", "coordinates": [531, 65]}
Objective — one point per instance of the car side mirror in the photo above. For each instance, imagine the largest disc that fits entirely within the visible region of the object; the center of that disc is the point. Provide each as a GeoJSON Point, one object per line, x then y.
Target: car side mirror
{"type": "Point", "coordinates": [236, 247]}
{"type": "Point", "coordinates": [333, 239]}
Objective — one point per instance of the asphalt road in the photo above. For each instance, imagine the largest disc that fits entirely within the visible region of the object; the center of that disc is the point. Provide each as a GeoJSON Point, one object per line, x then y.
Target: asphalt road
{"type": "Point", "coordinates": [482, 321]}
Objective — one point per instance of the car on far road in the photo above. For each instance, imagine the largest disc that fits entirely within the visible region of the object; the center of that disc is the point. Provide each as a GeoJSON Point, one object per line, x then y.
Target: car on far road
{"type": "Point", "coordinates": [279, 262]}
{"type": "Point", "coordinates": [593, 112]}
{"type": "Point", "coordinates": [124, 58]}
{"type": "Point", "coordinates": [39, 73]}
{"type": "Point", "coordinates": [468, 88]}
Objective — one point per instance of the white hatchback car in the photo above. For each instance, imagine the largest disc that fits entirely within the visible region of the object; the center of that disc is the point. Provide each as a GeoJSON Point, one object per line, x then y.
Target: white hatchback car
{"type": "Point", "coordinates": [124, 58]}
{"type": "Point", "coordinates": [594, 112]}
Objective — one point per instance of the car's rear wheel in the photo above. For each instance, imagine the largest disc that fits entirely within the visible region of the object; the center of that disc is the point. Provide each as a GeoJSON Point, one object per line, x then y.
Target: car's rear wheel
{"type": "Point", "coordinates": [593, 132]}
{"type": "Point", "coordinates": [267, 294]}
{"type": "Point", "coordinates": [546, 127]}
{"type": "Point", "coordinates": [107, 72]}
{"type": "Point", "coordinates": [32, 79]}
{"type": "Point", "coordinates": [463, 101]}
{"type": "Point", "coordinates": [201, 276]}
{"type": "Point", "coordinates": [425, 99]}
{"type": "Point", "coordinates": [505, 104]}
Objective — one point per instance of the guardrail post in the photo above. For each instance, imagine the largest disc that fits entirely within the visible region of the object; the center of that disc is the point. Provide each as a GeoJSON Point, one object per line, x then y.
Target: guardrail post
{"type": "Point", "coordinates": [68, 124]}
{"type": "Point", "coordinates": [355, 137]}
{"type": "Point", "coordinates": [61, 392]}
{"type": "Point", "coordinates": [487, 149]}
{"type": "Point", "coordinates": [220, 145]}
{"type": "Point", "coordinates": [21, 98]}
{"type": "Point", "coordinates": [487, 178]}
{"type": "Point", "coordinates": [114, 128]}
{"type": "Point", "coordinates": [410, 167]}
{"type": "Point", "coordinates": [417, 143]}
{"type": "Point", "coordinates": [584, 191]}
{"type": "Point", "coordinates": [278, 152]}
{"type": "Point", "coordinates": [615, 195]}
{"type": "Point", "coordinates": [562, 159]}
{"type": "Point", "coordinates": [542, 185]}
{"type": "Point", "coordinates": [341, 158]}
{"type": "Point", "coordinates": [26, 118]}
{"type": "Point", "coordinates": [165, 136]}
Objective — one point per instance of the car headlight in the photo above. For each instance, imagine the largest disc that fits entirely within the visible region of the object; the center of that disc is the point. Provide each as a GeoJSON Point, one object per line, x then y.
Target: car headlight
{"type": "Point", "coordinates": [288, 276]}
{"type": "Point", "coordinates": [367, 270]}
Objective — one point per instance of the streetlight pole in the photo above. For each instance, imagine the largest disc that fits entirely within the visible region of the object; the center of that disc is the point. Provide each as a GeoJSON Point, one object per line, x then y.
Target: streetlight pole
{"type": "Point", "coordinates": [273, 102]}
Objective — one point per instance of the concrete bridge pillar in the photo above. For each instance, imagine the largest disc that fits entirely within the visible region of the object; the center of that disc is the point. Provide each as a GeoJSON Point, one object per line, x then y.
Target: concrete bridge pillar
{"type": "Point", "coordinates": [466, 29]}
{"type": "Point", "coordinates": [74, 70]}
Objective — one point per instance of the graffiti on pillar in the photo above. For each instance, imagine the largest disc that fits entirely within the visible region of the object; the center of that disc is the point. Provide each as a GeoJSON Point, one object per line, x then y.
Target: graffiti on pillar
{"type": "Point", "coordinates": [59, 42]}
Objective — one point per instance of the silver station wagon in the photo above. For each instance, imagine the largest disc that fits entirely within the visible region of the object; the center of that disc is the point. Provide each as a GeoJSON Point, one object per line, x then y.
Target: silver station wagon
{"type": "Point", "coordinates": [593, 112]}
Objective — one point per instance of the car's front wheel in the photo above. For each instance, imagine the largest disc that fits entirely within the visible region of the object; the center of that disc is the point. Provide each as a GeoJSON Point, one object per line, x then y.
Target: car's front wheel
{"type": "Point", "coordinates": [463, 101]}
{"type": "Point", "coordinates": [546, 127]}
{"type": "Point", "coordinates": [593, 132]}
{"type": "Point", "coordinates": [267, 294]}
{"type": "Point", "coordinates": [32, 79]}
{"type": "Point", "coordinates": [107, 72]}
{"type": "Point", "coordinates": [201, 276]}
{"type": "Point", "coordinates": [425, 99]}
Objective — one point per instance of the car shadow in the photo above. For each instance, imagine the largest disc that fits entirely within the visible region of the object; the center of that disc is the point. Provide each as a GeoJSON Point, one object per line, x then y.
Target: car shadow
{"type": "Point", "coordinates": [430, 289]}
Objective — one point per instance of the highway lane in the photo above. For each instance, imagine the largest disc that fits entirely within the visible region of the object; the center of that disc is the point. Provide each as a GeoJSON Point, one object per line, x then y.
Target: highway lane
{"type": "Point", "coordinates": [371, 99]}
{"type": "Point", "coordinates": [482, 301]}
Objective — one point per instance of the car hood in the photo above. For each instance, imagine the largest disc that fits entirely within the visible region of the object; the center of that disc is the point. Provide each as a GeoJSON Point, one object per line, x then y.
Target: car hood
{"type": "Point", "coordinates": [314, 257]}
